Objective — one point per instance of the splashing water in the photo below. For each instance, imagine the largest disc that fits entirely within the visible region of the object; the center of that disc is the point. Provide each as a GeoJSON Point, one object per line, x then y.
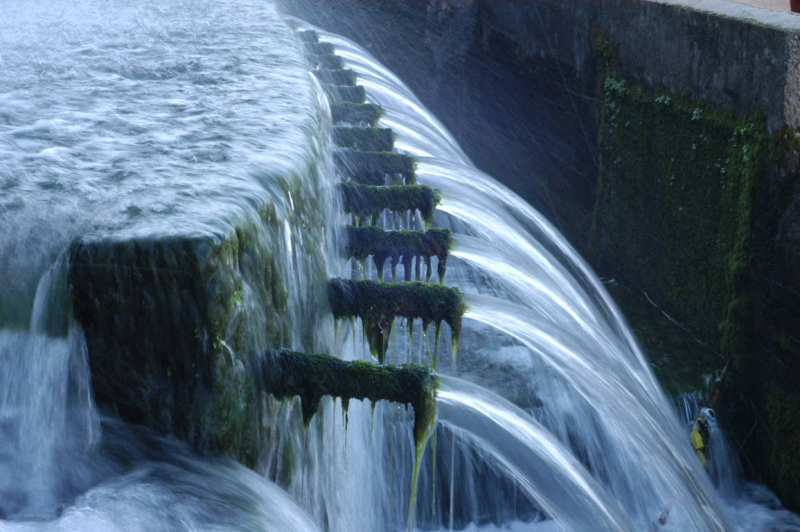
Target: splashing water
{"type": "Point", "coordinates": [142, 120]}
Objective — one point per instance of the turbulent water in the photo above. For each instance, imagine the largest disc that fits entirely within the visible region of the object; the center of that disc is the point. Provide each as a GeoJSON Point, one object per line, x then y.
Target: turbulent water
{"type": "Point", "coordinates": [148, 120]}
{"type": "Point", "coordinates": [176, 118]}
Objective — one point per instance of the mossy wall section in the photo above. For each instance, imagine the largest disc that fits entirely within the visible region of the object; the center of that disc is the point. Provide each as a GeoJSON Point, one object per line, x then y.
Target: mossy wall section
{"type": "Point", "coordinates": [675, 200]}
{"type": "Point", "coordinates": [173, 324]}
{"type": "Point", "coordinates": [695, 207]}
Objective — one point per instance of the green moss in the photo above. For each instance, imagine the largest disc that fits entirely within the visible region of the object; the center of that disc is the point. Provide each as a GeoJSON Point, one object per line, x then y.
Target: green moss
{"type": "Point", "coordinates": [364, 138]}
{"type": "Point", "coordinates": [355, 113]}
{"type": "Point", "coordinates": [691, 205]}
{"type": "Point", "coordinates": [367, 203]}
{"type": "Point", "coordinates": [308, 36]}
{"type": "Point", "coordinates": [337, 77]}
{"type": "Point", "coordinates": [372, 167]}
{"type": "Point", "coordinates": [364, 242]}
{"type": "Point", "coordinates": [783, 457]}
{"type": "Point", "coordinates": [675, 200]}
{"type": "Point", "coordinates": [311, 376]}
{"type": "Point", "coordinates": [681, 362]}
{"type": "Point", "coordinates": [319, 48]}
{"type": "Point", "coordinates": [345, 93]}
{"type": "Point", "coordinates": [379, 304]}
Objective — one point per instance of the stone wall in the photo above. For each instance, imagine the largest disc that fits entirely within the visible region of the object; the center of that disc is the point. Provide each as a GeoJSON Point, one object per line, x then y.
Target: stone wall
{"type": "Point", "coordinates": [782, 5]}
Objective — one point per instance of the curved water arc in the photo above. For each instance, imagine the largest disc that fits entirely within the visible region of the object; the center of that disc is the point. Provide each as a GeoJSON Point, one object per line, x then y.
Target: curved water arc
{"type": "Point", "coordinates": [546, 471]}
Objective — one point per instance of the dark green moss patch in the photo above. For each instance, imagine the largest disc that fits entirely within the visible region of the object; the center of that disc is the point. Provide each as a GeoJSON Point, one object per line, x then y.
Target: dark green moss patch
{"type": "Point", "coordinates": [378, 304]}
{"type": "Point", "coordinates": [346, 93]}
{"type": "Point", "coordinates": [367, 203]}
{"type": "Point", "coordinates": [681, 362]}
{"type": "Point", "coordinates": [356, 113]}
{"type": "Point", "coordinates": [327, 61]}
{"type": "Point", "coordinates": [308, 36]}
{"type": "Point", "coordinates": [343, 76]}
{"type": "Point", "coordinates": [287, 374]}
{"type": "Point", "coordinates": [675, 201]}
{"type": "Point", "coordinates": [372, 167]}
{"type": "Point", "coordinates": [364, 138]}
{"type": "Point", "coordinates": [364, 242]}
{"type": "Point", "coordinates": [319, 48]}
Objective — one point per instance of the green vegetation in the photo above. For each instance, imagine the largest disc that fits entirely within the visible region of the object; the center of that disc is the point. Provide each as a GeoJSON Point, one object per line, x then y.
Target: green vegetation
{"type": "Point", "coordinates": [371, 167]}
{"type": "Point", "coordinates": [681, 363]}
{"type": "Point", "coordinates": [367, 203]}
{"type": "Point", "coordinates": [343, 76]}
{"type": "Point", "coordinates": [364, 138]}
{"type": "Point", "coordinates": [364, 242]}
{"type": "Point", "coordinates": [689, 200]}
{"type": "Point", "coordinates": [379, 304]}
{"type": "Point", "coordinates": [287, 374]}
{"type": "Point", "coordinates": [355, 113]}
{"type": "Point", "coordinates": [676, 184]}
{"type": "Point", "coordinates": [345, 93]}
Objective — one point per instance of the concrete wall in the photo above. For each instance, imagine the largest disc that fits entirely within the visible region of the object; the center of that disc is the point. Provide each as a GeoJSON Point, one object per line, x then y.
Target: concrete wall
{"type": "Point", "coordinates": [782, 5]}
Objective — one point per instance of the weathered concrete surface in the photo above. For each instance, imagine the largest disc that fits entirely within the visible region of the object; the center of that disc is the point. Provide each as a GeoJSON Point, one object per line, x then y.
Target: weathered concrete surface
{"type": "Point", "coordinates": [781, 5]}
{"type": "Point", "coordinates": [734, 55]}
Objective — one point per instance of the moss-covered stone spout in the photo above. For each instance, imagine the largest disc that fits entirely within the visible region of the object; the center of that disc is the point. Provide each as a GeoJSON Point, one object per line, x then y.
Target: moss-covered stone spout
{"type": "Point", "coordinates": [327, 61]}
{"type": "Point", "coordinates": [364, 138]}
{"type": "Point", "coordinates": [372, 167]}
{"type": "Point", "coordinates": [311, 376]}
{"type": "Point", "coordinates": [345, 93]}
{"type": "Point", "coordinates": [318, 48]}
{"type": "Point", "coordinates": [348, 112]}
{"type": "Point", "coordinates": [405, 246]}
{"type": "Point", "coordinates": [337, 76]}
{"type": "Point", "coordinates": [366, 203]}
{"type": "Point", "coordinates": [308, 36]}
{"type": "Point", "coordinates": [378, 304]}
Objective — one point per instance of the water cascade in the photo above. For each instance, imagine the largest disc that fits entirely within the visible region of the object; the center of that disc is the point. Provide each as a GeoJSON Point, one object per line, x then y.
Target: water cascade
{"type": "Point", "coordinates": [523, 280]}
{"type": "Point", "coordinates": [200, 330]}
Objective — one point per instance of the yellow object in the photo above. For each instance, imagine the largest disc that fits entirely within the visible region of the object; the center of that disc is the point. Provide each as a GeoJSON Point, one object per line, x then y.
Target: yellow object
{"type": "Point", "coordinates": [698, 443]}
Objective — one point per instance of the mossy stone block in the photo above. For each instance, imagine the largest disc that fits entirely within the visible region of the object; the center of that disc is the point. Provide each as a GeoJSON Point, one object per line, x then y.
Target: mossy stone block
{"type": "Point", "coordinates": [364, 138]}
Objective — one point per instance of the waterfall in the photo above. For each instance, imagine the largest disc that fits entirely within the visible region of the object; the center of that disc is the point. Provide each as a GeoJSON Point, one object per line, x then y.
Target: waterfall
{"type": "Point", "coordinates": [190, 139]}
{"type": "Point", "coordinates": [544, 314]}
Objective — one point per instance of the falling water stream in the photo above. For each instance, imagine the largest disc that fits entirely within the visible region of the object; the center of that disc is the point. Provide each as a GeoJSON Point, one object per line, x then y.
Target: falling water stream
{"type": "Point", "coordinates": [596, 391]}
{"type": "Point", "coordinates": [167, 119]}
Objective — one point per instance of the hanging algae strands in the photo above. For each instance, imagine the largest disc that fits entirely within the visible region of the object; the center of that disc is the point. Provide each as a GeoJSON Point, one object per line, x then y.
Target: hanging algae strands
{"type": "Point", "coordinates": [345, 414]}
{"type": "Point", "coordinates": [438, 328]}
{"type": "Point", "coordinates": [366, 200]}
{"type": "Point", "coordinates": [407, 267]}
{"type": "Point", "coordinates": [424, 423]}
{"type": "Point", "coordinates": [378, 304]}
{"type": "Point", "coordinates": [364, 242]}
{"type": "Point", "coordinates": [311, 376]}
